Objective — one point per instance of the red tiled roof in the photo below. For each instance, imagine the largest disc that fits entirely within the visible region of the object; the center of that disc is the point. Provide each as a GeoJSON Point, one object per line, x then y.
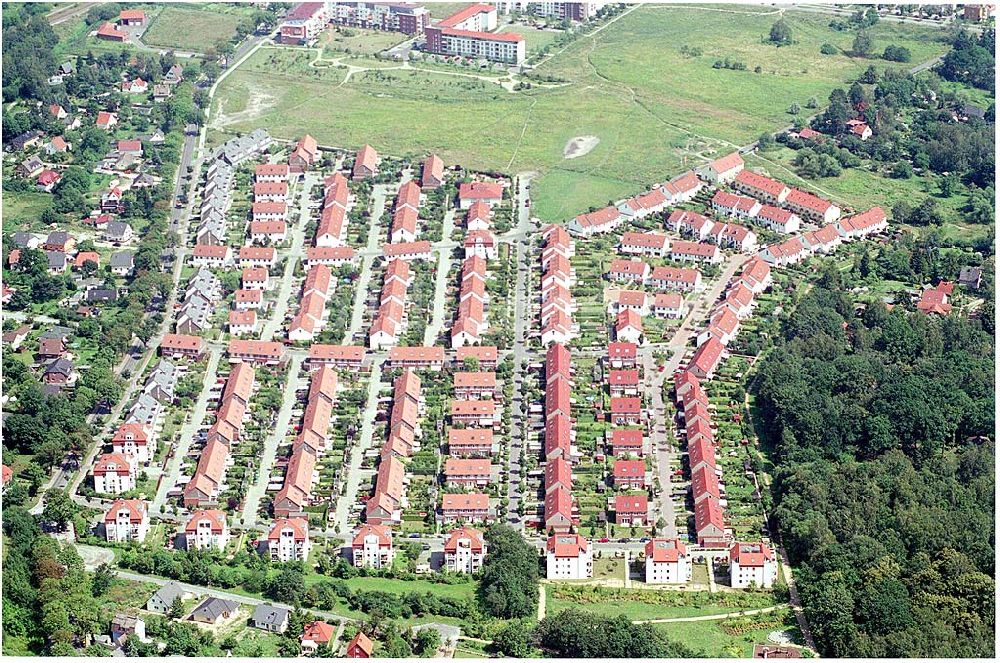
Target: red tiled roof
{"type": "Point", "coordinates": [567, 545]}
{"type": "Point", "coordinates": [727, 163]}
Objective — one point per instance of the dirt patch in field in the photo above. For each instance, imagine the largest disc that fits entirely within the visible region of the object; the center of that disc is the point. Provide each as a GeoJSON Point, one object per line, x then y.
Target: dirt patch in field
{"type": "Point", "coordinates": [259, 101]}
{"type": "Point", "coordinates": [579, 146]}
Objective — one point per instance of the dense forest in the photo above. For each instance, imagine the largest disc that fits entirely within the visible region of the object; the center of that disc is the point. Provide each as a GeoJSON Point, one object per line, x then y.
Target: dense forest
{"type": "Point", "coordinates": [880, 427]}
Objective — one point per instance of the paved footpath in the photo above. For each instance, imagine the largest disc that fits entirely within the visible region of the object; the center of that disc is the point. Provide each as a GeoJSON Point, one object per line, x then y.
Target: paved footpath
{"type": "Point", "coordinates": [372, 249]}
{"type": "Point", "coordinates": [437, 323]}
{"type": "Point", "coordinates": [273, 441]}
{"type": "Point", "coordinates": [181, 451]}
{"type": "Point", "coordinates": [361, 444]}
{"type": "Point", "coordinates": [277, 319]}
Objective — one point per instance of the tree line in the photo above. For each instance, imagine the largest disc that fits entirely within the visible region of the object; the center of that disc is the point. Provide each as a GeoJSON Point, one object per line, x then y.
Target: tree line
{"type": "Point", "coordinates": [880, 426]}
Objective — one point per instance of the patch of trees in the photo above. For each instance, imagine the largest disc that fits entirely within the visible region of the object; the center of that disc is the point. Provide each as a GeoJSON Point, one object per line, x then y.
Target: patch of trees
{"type": "Point", "coordinates": [781, 33]}
{"type": "Point", "coordinates": [884, 483]}
{"type": "Point", "coordinates": [28, 60]}
{"type": "Point", "coordinates": [50, 604]}
{"type": "Point", "coordinates": [970, 60]}
{"type": "Point", "coordinates": [579, 634]}
{"type": "Point", "coordinates": [331, 594]}
{"type": "Point", "coordinates": [896, 53]}
{"type": "Point", "coordinates": [508, 582]}
{"type": "Point", "coordinates": [726, 63]}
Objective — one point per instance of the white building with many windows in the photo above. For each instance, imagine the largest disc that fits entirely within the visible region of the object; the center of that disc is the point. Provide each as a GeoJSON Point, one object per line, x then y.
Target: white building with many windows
{"type": "Point", "coordinates": [288, 540]}
{"type": "Point", "coordinates": [464, 551]}
{"type": "Point", "coordinates": [126, 520]}
{"type": "Point", "coordinates": [372, 547]}
{"type": "Point", "coordinates": [568, 557]}
{"type": "Point", "coordinates": [752, 565]}
{"type": "Point", "coordinates": [667, 562]}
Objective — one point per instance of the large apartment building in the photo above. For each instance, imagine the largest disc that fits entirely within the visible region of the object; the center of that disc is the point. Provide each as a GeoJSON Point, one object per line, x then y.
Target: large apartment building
{"type": "Point", "coordinates": [402, 17]}
{"type": "Point", "coordinates": [307, 19]}
{"type": "Point", "coordinates": [466, 34]}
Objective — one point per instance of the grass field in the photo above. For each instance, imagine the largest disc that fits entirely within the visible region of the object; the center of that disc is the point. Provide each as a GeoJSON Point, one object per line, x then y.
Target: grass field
{"type": "Point", "coordinates": [534, 39]}
{"type": "Point", "coordinates": [654, 109]}
{"type": "Point", "coordinates": [366, 42]}
{"type": "Point", "coordinates": [24, 208]}
{"type": "Point", "coordinates": [710, 639]}
{"type": "Point", "coordinates": [190, 29]}
{"type": "Point", "coordinates": [861, 188]}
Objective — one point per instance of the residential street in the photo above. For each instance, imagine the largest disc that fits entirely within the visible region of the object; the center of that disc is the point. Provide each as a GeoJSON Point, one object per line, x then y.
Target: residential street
{"type": "Point", "coordinates": [521, 310]}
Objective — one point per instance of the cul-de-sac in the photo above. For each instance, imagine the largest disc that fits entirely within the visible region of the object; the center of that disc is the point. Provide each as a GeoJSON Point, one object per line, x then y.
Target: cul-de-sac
{"type": "Point", "coordinates": [507, 329]}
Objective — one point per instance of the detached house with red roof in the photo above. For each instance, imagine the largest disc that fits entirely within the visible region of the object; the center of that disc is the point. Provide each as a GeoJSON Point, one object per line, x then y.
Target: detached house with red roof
{"type": "Point", "coordinates": [365, 163]}
{"type": "Point", "coordinates": [629, 474]}
{"type": "Point", "coordinates": [626, 411]}
{"type": "Point", "coordinates": [627, 442]}
{"type": "Point", "coordinates": [360, 645]}
{"type": "Point", "coordinates": [623, 382]}
{"type": "Point", "coordinates": [860, 129]}
{"type": "Point", "coordinates": [628, 327]}
{"type": "Point", "coordinates": [110, 32]}
{"type": "Point", "coordinates": [724, 169]}
{"type": "Point", "coordinates": [935, 300]}
{"type": "Point", "coordinates": [305, 152]}
{"type": "Point", "coordinates": [126, 520]}
{"type": "Point", "coordinates": [490, 193]}
{"type": "Point", "coordinates": [207, 528]}
{"type": "Point", "coordinates": [568, 557]}
{"type": "Point", "coordinates": [132, 17]}
{"type": "Point", "coordinates": [465, 550]}
{"type": "Point", "coordinates": [288, 540]}
{"type": "Point", "coordinates": [432, 173]}
{"type": "Point", "coordinates": [752, 565]}
{"type": "Point", "coordinates": [621, 355]}
{"type": "Point", "coordinates": [667, 562]}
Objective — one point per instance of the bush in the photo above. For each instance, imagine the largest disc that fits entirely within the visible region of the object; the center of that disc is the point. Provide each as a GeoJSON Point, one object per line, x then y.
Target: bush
{"type": "Point", "coordinates": [828, 49]}
{"type": "Point", "coordinates": [895, 53]}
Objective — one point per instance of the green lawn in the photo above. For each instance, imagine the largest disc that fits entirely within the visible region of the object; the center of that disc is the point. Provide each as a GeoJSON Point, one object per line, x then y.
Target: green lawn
{"type": "Point", "coordinates": [710, 638]}
{"type": "Point", "coordinates": [654, 109]}
{"type": "Point", "coordinates": [861, 188]}
{"type": "Point", "coordinates": [336, 40]}
{"type": "Point", "coordinates": [24, 208]}
{"type": "Point", "coordinates": [190, 29]}
{"type": "Point", "coordinates": [460, 591]}
{"type": "Point", "coordinates": [535, 39]}
{"type": "Point", "coordinates": [638, 609]}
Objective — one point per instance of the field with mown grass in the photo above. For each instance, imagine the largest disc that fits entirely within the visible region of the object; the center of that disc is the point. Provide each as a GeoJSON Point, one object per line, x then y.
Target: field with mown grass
{"type": "Point", "coordinates": [654, 108]}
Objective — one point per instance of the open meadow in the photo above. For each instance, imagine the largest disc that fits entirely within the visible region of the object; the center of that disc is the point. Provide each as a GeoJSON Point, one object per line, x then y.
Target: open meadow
{"type": "Point", "coordinates": [192, 29]}
{"type": "Point", "coordinates": [653, 108]}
